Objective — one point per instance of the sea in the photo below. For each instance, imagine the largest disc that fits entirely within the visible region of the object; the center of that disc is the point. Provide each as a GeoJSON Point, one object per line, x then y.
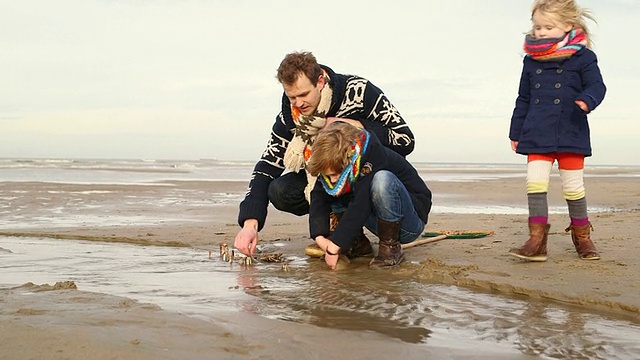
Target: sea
{"type": "Point", "coordinates": [140, 171]}
{"type": "Point", "coordinates": [155, 172]}
{"type": "Point", "coordinates": [179, 279]}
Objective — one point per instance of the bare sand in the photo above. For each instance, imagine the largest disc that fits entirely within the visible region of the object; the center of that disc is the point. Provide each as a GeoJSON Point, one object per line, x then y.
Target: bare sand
{"type": "Point", "coordinates": [124, 329]}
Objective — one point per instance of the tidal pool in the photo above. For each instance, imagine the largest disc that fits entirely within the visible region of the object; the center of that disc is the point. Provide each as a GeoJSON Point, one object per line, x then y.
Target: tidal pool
{"type": "Point", "coordinates": [196, 283]}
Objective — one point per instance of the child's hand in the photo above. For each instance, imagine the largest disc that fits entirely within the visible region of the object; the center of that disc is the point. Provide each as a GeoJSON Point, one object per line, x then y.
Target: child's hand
{"type": "Point", "coordinates": [322, 242]}
{"type": "Point", "coordinates": [331, 251]}
{"type": "Point", "coordinates": [582, 105]}
{"type": "Point", "coordinates": [514, 145]}
{"type": "Point", "coordinates": [331, 260]}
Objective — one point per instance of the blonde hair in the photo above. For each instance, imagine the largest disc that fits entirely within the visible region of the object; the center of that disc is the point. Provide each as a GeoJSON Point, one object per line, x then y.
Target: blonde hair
{"type": "Point", "coordinates": [565, 12]}
{"type": "Point", "coordinates": [333, 148]}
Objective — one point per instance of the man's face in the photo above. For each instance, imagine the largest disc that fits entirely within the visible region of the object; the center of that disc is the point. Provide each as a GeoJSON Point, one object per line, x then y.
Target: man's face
{"type": "Point", "coordinates": [303, 94]}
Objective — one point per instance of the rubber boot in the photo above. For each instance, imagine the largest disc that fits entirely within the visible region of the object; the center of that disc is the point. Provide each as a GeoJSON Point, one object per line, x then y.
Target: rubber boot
{"type": "Point", "coordinates": [390, 250]}
{"type": "Point", "coordinates": [581, 237]}
{"type": "Point", "coordinates": [534, 249]}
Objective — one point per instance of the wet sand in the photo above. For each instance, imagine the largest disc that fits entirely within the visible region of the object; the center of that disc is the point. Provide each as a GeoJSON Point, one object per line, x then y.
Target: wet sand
{"type": "Point", "coordinates": [98, 326]}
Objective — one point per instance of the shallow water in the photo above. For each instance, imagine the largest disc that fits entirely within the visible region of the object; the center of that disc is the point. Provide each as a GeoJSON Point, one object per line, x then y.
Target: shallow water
{"type": "Point", "coordinates": [36, 205]}
{"type": "Point", "coordinates": [192, 282]}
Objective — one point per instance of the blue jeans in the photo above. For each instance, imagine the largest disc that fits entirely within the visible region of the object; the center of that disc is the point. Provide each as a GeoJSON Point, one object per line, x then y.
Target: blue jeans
{"type": "Point", "coordinates": [391, 202]}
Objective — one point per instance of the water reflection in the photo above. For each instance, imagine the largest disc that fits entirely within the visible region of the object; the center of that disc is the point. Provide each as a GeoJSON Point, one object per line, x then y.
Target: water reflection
{"type": "Point", "coordinates": [386, 302]}
{"type": "Point", "coordinates": [347, 300]}
{"type": "Point", "coordinates": [570, 334]}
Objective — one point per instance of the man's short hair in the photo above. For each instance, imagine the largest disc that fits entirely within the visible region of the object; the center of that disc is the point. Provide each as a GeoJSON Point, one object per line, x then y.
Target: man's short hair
{"type": "Point", "coordinates": [298, 62]}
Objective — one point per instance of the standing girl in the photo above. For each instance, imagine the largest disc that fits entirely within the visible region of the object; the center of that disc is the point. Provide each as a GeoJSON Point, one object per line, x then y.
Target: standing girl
{"type": "Point", "coordinates": [560, 84]}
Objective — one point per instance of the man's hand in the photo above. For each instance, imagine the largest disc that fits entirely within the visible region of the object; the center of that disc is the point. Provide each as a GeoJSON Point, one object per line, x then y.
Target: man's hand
{"type": "Point", "coordinates": [582, 105]}
{"type": "Point", "coordinates": [355, 123]}
{"type": "Point", "coordinates": [247, 239]}
{"type": "Point", "coordinates": [514, 145]}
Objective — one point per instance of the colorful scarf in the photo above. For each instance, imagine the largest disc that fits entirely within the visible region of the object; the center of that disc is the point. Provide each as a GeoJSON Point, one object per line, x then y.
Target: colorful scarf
{"type": "Point", "coordinates": [555, 49]}
{"type": "Point", "coordinates": [307, 127]}
{"type": "Point", "coordinates": [306, 130]}
{"type": "Point", "coordinates": [350, 174]}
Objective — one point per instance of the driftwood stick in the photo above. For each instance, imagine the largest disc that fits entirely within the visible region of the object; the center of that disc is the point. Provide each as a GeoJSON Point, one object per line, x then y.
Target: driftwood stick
{"type": "Point", "coordinates": [423, 241]}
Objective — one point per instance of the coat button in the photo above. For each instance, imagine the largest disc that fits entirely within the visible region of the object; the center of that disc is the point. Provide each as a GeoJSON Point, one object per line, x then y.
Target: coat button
{"type": "Point", "coordinates": [536, 101]}
{"type": "Point", "coordinates": [537, 85]}
{"type": "Point", "coordinates": [539, 71]}
{"type": "Point", "coordinates": [556, 101]}
{"type": "Point", "coordinates": [559, 71]}
{"type": "Point", "coordinates": [558, 85]}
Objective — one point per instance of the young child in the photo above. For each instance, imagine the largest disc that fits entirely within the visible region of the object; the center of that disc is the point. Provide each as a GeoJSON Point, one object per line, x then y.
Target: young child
{"type": "Point", "coordinates": [364, 184]}
{"type": "Point", "coordinates": [560, 84]}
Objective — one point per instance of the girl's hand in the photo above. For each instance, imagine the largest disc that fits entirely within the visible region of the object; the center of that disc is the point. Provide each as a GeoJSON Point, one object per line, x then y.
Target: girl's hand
{"type": "Point", "coordinates": [514, 145]}
{"type": "Point", "coordinates": [582, 105]}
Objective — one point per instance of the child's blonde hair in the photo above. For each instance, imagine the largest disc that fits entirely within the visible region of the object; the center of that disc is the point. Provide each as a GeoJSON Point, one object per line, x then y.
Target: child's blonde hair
{"type": "Point", "coordinates": [565, 12]}
{"type": "Point", "coordinates": [333, 148]}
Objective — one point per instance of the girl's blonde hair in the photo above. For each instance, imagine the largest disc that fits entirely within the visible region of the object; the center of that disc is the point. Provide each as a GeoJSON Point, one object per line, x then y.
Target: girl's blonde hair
{"type": "Point", "coordinates": [333, 148]}
{"type": "Point", "coordinates": [565, 12]}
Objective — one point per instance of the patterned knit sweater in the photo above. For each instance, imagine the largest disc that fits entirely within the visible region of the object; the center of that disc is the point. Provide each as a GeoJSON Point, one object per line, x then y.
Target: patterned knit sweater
{"type": "Point", "coordinates": [353, 97]}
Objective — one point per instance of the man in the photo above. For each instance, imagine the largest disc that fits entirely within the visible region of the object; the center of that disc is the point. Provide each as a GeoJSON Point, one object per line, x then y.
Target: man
{"type": "Point", "coordinates": [314, 96]}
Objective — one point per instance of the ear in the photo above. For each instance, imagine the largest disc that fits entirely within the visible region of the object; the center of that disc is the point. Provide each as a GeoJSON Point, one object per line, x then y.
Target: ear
{"type": "Point", "coordinates": [321, 80]}
{"type": "Point", "coordinates": [566, 27]}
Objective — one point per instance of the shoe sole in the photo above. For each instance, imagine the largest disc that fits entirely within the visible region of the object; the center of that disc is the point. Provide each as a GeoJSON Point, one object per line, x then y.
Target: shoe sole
{"type": "Point", "coordinates": [360, 255]}
{"type": "Point", "coordinates": [530, 258]}
{"type": "Point", "coordinates": [383, 266]}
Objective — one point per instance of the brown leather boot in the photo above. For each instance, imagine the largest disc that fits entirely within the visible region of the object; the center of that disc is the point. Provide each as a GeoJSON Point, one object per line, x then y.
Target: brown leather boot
{"type": "Point", "coordinates": [390, 250]}
{"type": "Point", "coordinates": [534, 249]}
{"type": "Point", "coordinates": [581, 237]}
{"type": "Point", "coordinates": [361, 246]}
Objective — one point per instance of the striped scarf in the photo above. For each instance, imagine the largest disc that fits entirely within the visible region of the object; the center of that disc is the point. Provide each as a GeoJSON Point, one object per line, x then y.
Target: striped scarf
{"type": "Point", "coordinates": [555, 49]}
{"type": "Point", "coordinates": [350, 174]}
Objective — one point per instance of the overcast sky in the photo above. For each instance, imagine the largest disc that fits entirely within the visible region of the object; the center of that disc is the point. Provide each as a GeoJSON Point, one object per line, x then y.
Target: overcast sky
{"type": "Point", "coordinates": [172, 79]}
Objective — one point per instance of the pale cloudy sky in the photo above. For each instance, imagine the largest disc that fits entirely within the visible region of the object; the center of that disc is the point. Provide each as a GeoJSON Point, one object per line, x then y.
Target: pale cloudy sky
{"type": "Point", "coordinates": [180, 79]}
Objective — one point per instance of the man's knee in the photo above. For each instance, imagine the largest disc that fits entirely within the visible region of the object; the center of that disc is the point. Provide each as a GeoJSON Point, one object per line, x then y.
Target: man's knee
{"type": "Point", "coordinates": [288, 197]}
{"type": "Point", "coordinates": [277, 195]}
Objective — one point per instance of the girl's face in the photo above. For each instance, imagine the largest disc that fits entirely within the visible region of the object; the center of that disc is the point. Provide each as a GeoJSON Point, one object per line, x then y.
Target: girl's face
{"type": "Point", "coordinates": [545, 27]}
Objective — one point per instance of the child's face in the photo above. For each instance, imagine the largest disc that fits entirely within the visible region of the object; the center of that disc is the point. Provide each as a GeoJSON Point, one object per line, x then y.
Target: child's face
{"type": "Point", "coordinates": [545, 27]}
{"type": "Point", "coordinates": [332, 175]}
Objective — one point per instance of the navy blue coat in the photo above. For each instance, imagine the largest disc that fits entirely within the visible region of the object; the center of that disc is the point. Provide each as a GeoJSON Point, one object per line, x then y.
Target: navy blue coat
{"type": "Point", "coordinates": [376, 158]}
{"type": "Point", "coordinates": [546, 118]}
